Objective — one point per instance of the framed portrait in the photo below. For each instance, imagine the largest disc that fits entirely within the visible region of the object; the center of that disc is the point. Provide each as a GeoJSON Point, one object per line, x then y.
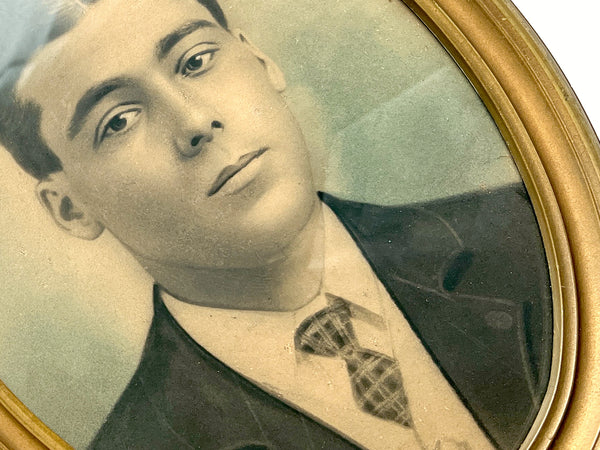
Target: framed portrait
{"type": "Point", "coordinates": [240, 224]}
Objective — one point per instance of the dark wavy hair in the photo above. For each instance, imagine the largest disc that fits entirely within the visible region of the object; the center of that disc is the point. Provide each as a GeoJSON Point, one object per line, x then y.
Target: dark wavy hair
{"type": "Point", "coordinates": [20, 121]}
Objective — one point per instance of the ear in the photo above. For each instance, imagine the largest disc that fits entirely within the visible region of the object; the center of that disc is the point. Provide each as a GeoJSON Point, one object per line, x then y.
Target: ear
{"type": "Point", "coordinates": [54, 194]}
{"type": "Point", "coordinates": [273, 71]}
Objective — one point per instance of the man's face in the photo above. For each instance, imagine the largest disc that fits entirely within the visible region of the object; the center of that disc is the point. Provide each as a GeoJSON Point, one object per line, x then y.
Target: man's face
{"type": "Point", "coordinates": [173, 134]}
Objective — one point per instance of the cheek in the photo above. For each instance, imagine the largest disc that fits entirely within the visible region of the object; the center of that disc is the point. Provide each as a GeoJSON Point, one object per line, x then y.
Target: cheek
{"type": "Point", "coordinates": [121, 167]}
{"type": "Point", "coordinates": [121, 193]}
{"type": "Point", "coordinates": [245, 87]}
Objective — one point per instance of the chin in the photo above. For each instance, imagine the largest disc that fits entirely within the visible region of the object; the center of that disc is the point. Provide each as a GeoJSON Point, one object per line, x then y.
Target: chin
{"type": "Point", "coordinates": [278, 219]}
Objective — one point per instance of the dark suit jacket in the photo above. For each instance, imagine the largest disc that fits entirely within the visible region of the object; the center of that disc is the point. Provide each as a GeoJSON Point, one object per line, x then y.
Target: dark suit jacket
{"type": "Point", "coordinates": [470, 276]}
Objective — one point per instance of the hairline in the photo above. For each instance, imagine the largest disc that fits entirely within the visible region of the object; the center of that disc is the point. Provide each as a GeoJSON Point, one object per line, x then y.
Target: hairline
{"type": "Point", "coordinates": [35, 108]}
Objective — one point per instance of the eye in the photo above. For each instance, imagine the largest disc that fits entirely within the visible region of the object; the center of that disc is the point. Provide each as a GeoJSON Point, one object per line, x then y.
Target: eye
{"type": "Point", "coordinates": [196, 61]}
{"type": "Point", "coordinates": [118, 123]}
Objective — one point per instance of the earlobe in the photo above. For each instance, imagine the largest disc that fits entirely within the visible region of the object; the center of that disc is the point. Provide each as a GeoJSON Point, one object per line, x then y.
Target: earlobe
{"type": "Point", "coordinates": [273, 71]}
{"type": "Point", "coordinates": [53, 194]}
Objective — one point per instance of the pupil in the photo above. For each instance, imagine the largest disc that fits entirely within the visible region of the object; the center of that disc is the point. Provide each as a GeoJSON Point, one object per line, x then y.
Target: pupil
{"type": "Point", "coordinates": [118, 123]}
{"type": "Point", "coordinates": [194, 62]}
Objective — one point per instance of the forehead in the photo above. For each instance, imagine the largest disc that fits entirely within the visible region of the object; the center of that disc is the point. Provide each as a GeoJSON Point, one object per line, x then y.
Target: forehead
{"type": "Point", "coordinates": [111, 37]}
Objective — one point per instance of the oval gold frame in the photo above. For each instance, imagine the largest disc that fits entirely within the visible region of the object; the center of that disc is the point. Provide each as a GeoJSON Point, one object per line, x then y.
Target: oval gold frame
{"type": "Point", "coordinates": [557, 153]}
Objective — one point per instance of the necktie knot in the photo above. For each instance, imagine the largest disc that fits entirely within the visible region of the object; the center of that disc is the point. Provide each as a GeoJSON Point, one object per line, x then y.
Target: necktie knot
{"type": "Point", "coordinates": [375, 378]}
{"type": "Point", "coordinates": [329, 332]}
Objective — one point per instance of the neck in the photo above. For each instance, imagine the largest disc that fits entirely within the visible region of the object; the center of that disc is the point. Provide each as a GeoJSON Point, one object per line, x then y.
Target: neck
{"type": "Point", "coordinates": [289, 282]}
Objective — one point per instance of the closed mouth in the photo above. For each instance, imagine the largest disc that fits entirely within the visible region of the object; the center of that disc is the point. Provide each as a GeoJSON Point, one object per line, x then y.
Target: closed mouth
{"type": "Point", "coordinates": [230, 171]}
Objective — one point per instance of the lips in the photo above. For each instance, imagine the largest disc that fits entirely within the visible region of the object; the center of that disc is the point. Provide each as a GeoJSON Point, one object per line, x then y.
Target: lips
{"type": "Point", "coordinates": [230, 171]}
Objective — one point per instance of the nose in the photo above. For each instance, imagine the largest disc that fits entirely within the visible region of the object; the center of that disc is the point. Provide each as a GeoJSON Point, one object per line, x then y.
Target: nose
{"type": "Point", "coordinates": [190, 117]}
{"type": "Point", "coordinates": [192, 140]}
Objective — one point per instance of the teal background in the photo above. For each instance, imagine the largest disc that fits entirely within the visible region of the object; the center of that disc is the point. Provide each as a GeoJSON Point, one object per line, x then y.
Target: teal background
{"type": "Point", "coordinates": [389, 118]}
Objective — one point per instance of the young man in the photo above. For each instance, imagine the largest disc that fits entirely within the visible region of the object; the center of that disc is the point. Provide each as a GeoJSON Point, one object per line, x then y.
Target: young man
{"type": "Point", "coordinates": [283, 319]}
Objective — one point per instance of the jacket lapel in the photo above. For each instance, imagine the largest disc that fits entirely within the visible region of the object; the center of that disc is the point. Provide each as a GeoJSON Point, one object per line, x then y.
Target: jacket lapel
{"type": "Point", "coordinates": [477, 342]}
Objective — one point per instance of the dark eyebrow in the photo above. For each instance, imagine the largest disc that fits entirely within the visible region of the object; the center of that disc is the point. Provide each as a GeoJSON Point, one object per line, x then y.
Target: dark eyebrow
{"type": "Point", "coordinates": [90, 99]}
{"type": "Point", "coordinates": [167, 43]}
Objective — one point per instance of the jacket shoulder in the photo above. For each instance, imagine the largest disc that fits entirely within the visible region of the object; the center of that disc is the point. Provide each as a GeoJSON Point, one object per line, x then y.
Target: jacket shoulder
{"type": "Point", "coordinates": [479, 243]}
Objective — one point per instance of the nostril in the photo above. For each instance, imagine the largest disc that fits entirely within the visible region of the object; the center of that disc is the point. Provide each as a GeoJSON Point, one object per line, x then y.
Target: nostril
{"type": "Point", "coordinates": [216, 124]}
{"type": "Point", "coordinates": [196, 140]}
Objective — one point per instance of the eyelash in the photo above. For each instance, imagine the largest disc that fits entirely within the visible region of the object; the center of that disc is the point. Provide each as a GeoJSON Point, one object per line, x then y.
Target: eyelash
{"type": "Point", "coordinates": [103, 129]}
{"type": "Point", "coordinates": [182, 65]}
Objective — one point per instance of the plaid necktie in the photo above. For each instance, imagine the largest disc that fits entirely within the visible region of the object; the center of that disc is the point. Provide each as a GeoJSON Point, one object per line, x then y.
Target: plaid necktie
{"type": "Point", "coordinates": [375, 378]}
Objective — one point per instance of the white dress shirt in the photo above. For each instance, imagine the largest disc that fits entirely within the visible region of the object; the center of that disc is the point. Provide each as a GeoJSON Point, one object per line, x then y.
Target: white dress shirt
{"type": "Point", "coordinates": [259, 345]}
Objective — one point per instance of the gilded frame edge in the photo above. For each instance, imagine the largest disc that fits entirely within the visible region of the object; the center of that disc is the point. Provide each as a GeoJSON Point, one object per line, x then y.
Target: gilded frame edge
{"type": "Point", "coordinates": [558, 155]}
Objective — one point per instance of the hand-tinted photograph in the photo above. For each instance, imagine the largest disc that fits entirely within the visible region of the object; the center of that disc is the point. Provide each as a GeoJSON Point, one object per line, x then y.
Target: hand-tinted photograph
{"type": "Point", "coordinates": [235, 224]}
